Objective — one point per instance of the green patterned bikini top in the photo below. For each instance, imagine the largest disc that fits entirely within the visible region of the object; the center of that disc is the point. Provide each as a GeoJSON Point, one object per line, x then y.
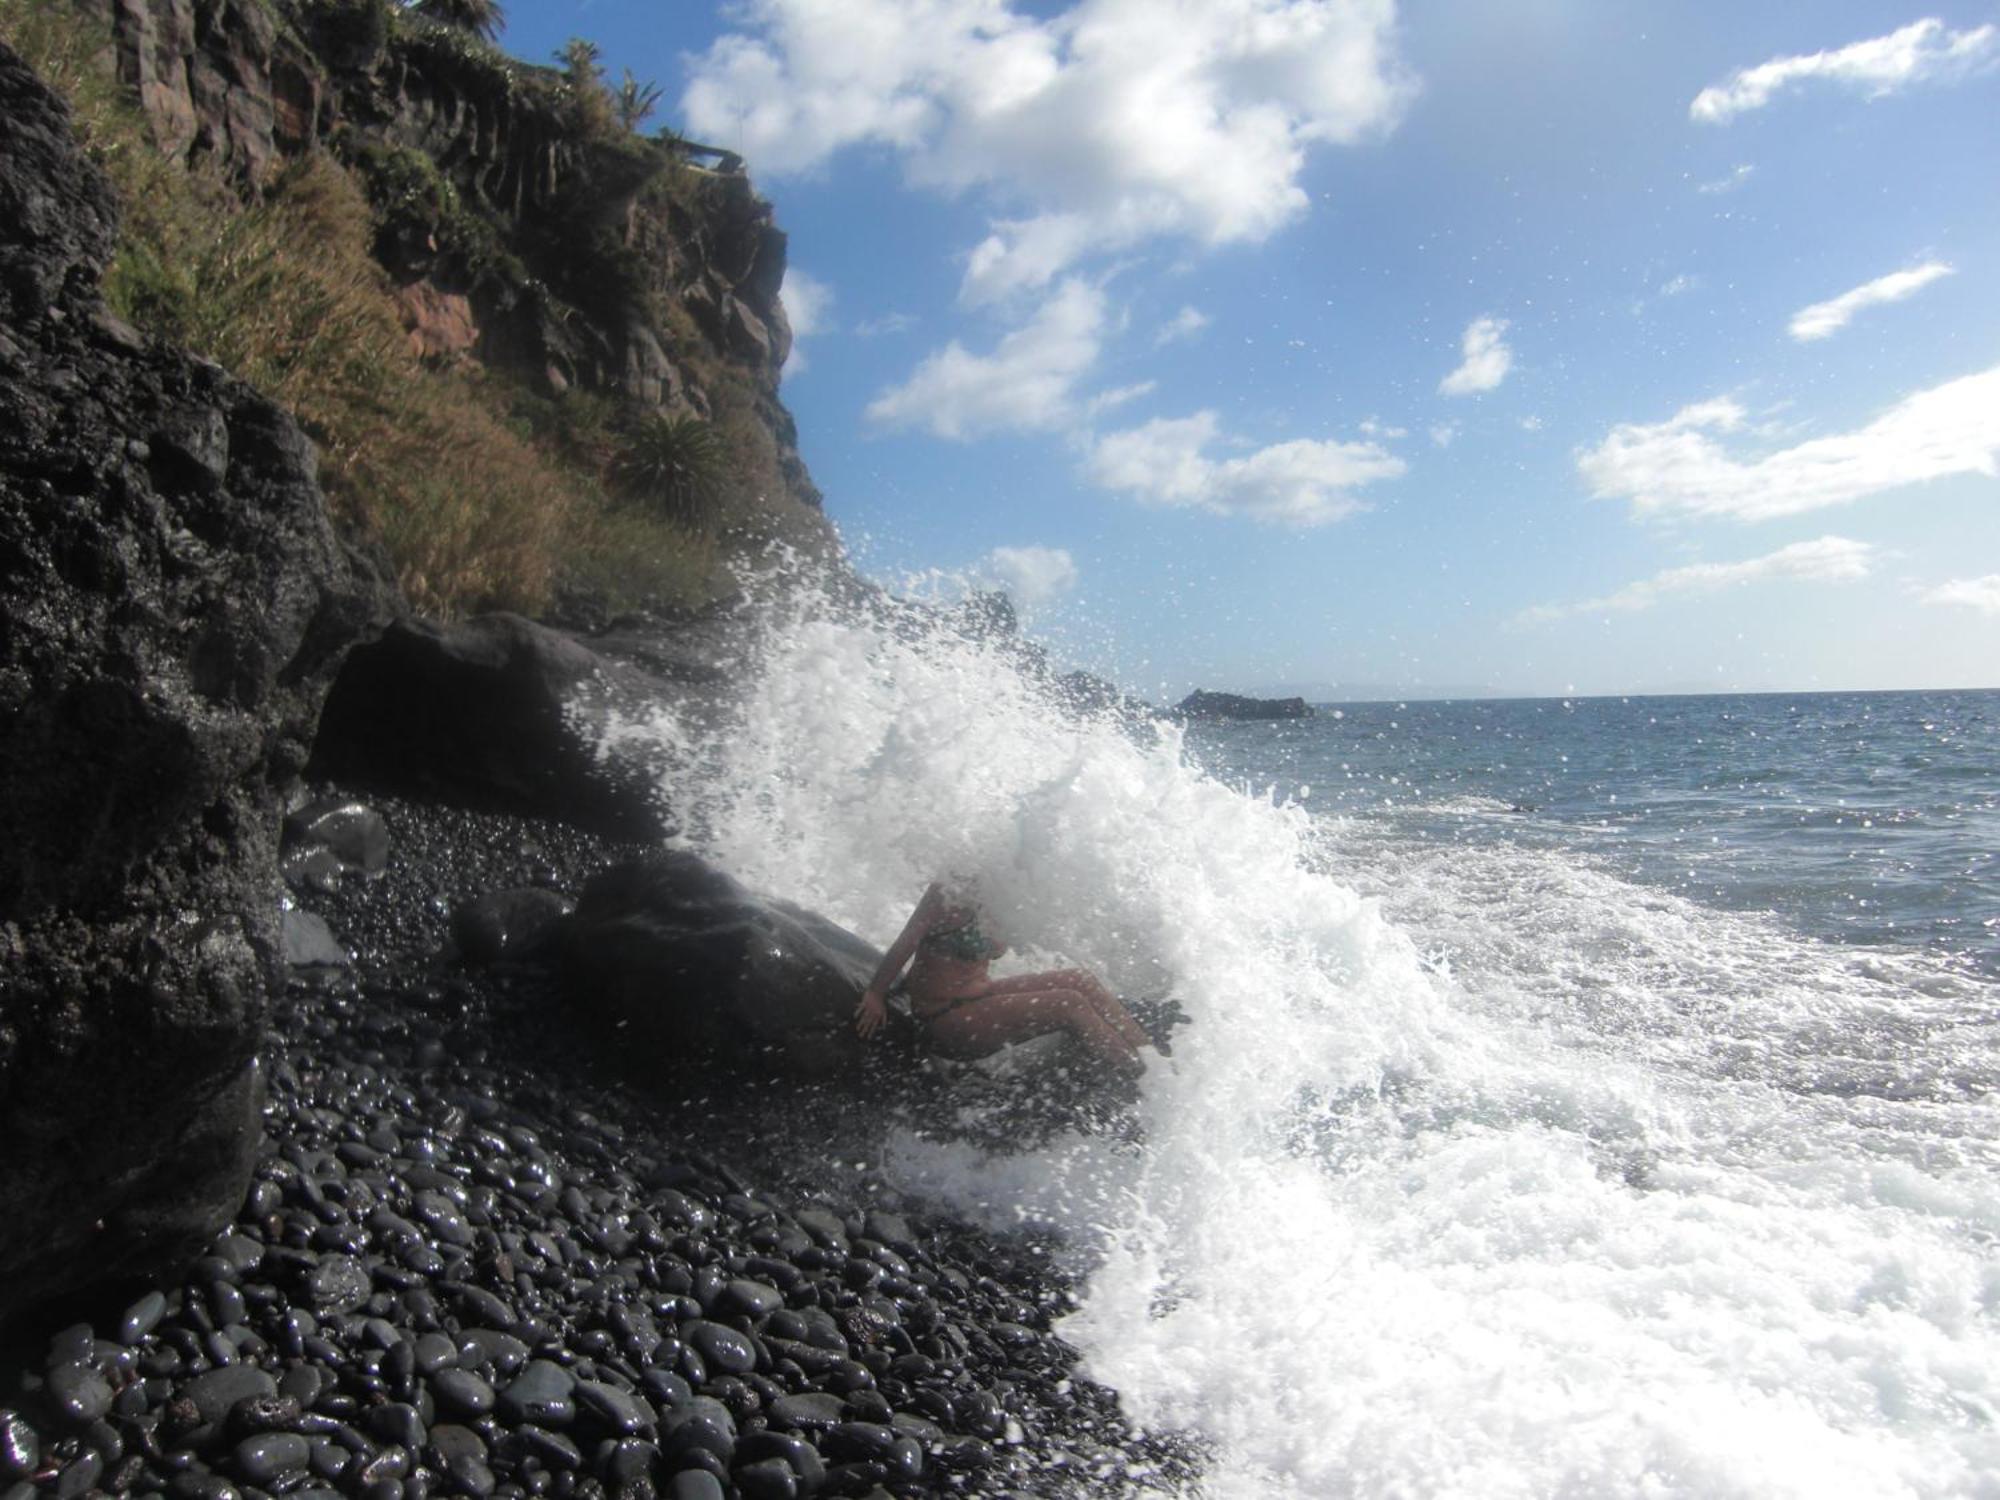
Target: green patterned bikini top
{"type": "Point", "coordinates": [962, 940]}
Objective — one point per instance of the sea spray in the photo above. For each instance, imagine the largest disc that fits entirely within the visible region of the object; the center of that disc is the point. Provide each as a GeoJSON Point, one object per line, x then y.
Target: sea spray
{"type": "Point", "coordinates": [1563, 1216]}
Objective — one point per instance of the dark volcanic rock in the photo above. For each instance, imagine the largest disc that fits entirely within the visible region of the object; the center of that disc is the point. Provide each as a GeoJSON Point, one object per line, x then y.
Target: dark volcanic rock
{"type": "Point", "coordinates": [494, 713]}
{"type": "Point", "coordinates": [680, 962]}
{"type": "Point", "coordinates": [507, 924]}
{"type": "Point", "coordinates": [440, 1146]}
{"type": "Point", "coordinates": [173, 603]}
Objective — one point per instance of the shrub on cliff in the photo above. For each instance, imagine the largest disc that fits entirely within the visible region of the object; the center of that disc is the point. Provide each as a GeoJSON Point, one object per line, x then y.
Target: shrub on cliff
{"type": "Point", "coordinates": [675, 464]}
{"type": "Point", "coordinates": [483, 18]}
{"type": "Point", "coordinates": [288, 294]}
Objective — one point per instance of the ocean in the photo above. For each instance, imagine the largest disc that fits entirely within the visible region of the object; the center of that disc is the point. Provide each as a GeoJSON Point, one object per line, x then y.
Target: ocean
{"type": "Point", "coordinates": [1580, 1098]}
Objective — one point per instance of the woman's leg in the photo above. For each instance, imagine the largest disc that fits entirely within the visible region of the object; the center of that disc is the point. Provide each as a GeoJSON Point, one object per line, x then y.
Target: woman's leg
{"type": "Point", "coordinates": [974, 1028]}
{"type": "Point", "coordinates": [1107, 1005]}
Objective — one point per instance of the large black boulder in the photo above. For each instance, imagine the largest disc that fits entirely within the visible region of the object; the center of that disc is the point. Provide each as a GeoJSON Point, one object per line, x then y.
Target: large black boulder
{"type": "Point", "coordinates": [678, 964]}
{"type": "Point", "coordinates": [497, 713]}
{"type": "Point", "coordinates": [173, 603]}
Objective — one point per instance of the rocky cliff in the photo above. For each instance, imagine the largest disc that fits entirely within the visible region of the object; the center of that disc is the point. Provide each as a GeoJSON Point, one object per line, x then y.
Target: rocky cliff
{"type": "Point", "coordinates": [595, 276]}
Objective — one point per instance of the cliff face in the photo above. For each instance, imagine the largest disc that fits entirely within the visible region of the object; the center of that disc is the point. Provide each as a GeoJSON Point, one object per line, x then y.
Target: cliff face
{"type": "Point", "coordinates": [173, 606]}
{"type": "Point", "coordinates": [524, 228]}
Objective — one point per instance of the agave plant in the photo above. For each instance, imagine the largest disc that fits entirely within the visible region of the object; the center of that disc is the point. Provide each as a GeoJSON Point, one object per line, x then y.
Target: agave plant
{"type": "Point", "coordinates": [483, 18]}
{"type": "Point", "coordinates": [675, 463]}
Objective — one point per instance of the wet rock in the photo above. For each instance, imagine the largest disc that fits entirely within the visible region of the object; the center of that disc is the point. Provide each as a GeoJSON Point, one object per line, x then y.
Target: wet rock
{"type": "Point", "coordinates": [722, 1348]}
{"type": "Point", "coordinates": [338, 1284]}
{"type": "Point", "coordinates": [798, 1455]}
{"type": "Point", "coordinates": [172, 606]}
{"type": "Point", "coordinates": [352, 832]}
{"type": "Point", "coordinates": [486, 713]}
{"type": "Point", "coordinates": [767, 1479]}
{"type": "Point", "coordinates": [753, 1299]}
{"type": "Point", "coordinates": [80, 1476]}
{"type": "Point", "coordinates": [463, 1393]}
{"type": "Point", "coordinates": [20, 1446]}
{"type": "Point", "coordinates": [310, 944]}
{"type": "Point", "coordinates": [312, 870]}
{"type": "Point", "coordinates": [618, 1412]}
{"type": "Point", "coordinates": [212, 1395]}
{"type": "Point", "coordinates": [694, 1484]}
{"type": "Point", "coordinates": [508, 924]}
{"type": "Point", "coordinates": [703, 1425]}
{"type": "Point", "coordinates": [78, 1393]}
{"type": "Point", "coordinates": [269, 1457]}
{"type": "Point", "coordinates": [543, 1394]}
{"type": "Point", "coordinates": [142, 1317]}
{"type": "Point", "coordinates": [674, 959]}
{"type": "Point", "coordinates": [809, 1411]}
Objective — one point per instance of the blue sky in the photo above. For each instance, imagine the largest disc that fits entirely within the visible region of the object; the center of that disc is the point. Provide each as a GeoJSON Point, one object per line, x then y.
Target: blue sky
{"type": "Point", "coordinates": [1544, 346]}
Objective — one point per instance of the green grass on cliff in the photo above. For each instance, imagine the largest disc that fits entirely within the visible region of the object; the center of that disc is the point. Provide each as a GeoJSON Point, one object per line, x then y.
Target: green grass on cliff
{"type": "Point", "coordinates": [474, 511]}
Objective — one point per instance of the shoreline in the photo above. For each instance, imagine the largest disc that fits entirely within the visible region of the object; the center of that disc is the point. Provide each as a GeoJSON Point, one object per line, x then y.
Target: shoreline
{"type": "Point", "coordinates": [455, 1197]}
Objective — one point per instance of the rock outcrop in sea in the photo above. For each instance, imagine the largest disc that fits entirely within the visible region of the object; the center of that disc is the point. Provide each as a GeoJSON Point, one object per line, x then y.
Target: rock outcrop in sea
{"type": "Point", "coordinates": [1203, 704]}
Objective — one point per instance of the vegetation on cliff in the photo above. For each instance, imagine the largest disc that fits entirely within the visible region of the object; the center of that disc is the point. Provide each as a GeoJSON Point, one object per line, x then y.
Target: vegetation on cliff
{"type": "Point", "coordinates": [527, 379]}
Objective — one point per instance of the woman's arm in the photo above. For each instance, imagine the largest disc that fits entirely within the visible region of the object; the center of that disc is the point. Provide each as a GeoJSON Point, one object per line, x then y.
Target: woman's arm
{"type": "Point", "coordinates": [874, 1007]}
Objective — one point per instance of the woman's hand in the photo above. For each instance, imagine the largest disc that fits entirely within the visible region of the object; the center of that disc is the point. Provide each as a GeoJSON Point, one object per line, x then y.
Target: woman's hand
{"type": "Point", "coordinates": [870, 1014]}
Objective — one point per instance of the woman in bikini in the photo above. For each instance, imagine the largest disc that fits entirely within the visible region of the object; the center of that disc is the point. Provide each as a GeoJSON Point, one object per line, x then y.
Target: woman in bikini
{"type": "Point", "coordinates": [967, 1013]}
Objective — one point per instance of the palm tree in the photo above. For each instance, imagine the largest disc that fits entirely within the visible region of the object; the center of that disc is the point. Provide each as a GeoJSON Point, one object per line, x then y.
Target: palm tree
{"type": "Point", "coordinates": [483, 18]}
{"type": "Point", "coordinates": [580, 60]}
{"type": "Point", "coordinates": [635, 100]}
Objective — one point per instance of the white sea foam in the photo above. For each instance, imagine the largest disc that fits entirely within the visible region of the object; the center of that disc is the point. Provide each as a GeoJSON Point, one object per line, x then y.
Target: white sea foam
{"type": "Point", "coordinates": [1477, 1172]}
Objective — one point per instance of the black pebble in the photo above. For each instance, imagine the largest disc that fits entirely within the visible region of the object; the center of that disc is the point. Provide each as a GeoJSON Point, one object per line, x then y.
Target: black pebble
{"type": "Point", "coordinates": [270, 1456]}
{"type": "Point", "coordinates": [338, 1284]}
{"type": "Point", "coordinates": [767, 1479]}
{"type": "Point", "coordinates": [20, 1445]}
{"type": "Point", "coordinates": [80, 1477]}
{"type": "Point", "coordinates": [78, 1393]}
{"type": "Point", "coordinates": [142, 1317]}
{"type": "Point", "coordinates": [543, 1394]}
{"type": "Point", "coordinates": [462, 1393]}
{"type": "Point", "coordinates": [694, 1484]}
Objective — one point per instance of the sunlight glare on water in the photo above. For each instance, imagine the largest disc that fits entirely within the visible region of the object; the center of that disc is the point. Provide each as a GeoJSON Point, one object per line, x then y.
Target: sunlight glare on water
{"type": "Point", "coordinates": [1617, 1201]}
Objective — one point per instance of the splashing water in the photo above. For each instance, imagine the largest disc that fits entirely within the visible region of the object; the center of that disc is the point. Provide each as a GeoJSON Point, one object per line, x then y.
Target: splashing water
{"type": "Point", "coordinates": [1611, 1208]}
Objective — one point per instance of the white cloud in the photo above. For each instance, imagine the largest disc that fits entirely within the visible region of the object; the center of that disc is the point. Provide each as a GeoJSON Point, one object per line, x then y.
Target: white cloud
{"type": "Point", "coordinates": [1982, 594]}
{"type": "Point", "coordinates": [1678, 285]}
{"type": "Point", "coordinates": [1444, 434]}
{"type": "Point", "coordinates": [1118, 396]}
{"type": "Point", "coordinates": [1823, 319]}
{"type": "Point", "coordinates": [1184, 324]}
{"type": "Point", "coordinates": [1299, 483]}
{"type": "Point", "coordinates": [1028, 381]}
{"type": "Point", "coordinates": [1486, 361]}
{"type": "Point", "coordinates": [1532, 423]}
{"type": "Point", "coordinates": [1678, 467]}
{"type": "Point", "coordinates": [1828, 558]}
{"type": "Point", "coordinates": [894, 322]}
{"type": "Point", "coordinates": [1033, 575]}
{"type": "Point", "coordinates": [1738, 175]}
{"type": "Point", "coordinates": [807, 301]}
{"type": "Point", "coordinates": [1111, 120]}
{"type": "Point", "coordinates": [1881, 65]}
